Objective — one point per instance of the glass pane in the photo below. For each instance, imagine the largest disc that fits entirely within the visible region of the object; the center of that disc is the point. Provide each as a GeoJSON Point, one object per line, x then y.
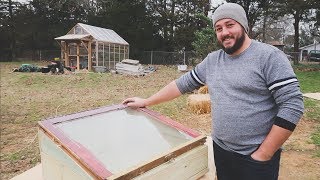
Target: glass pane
{"type": "Point", "coordinates": [100, 62]}
{"type": "Point", "coordinates": [73, 49]}
{"type": "Point", "coordinates": [123, 138]}
{"type": "Point", "coordinates": [78, 30]}
{"type": "Point", "coordinates": [83, 50]}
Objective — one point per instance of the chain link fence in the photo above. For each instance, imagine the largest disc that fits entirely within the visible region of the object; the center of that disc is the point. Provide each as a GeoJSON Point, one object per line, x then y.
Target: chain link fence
{"type": "Point", "coordinates": [145, 57]}
{"type": "Point", "coordinates": [38, 55]}
{"type": "Point", "coordinates": [169, 58]}
{"type": "Point", "coordinates": [293, 56]}
{"type": "Point", "coordinates": [49, 54]}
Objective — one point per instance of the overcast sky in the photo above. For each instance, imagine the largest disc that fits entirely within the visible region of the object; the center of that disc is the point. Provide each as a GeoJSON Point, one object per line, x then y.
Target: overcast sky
{"type": "Point", "coordinates": [22, 1]}
{"type": "Point", "coordinates": [215, 3]}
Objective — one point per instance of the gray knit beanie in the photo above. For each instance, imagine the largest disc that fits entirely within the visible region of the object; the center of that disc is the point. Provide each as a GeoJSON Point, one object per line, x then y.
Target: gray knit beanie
{"type": "Point", "coordinates": [232, 11]}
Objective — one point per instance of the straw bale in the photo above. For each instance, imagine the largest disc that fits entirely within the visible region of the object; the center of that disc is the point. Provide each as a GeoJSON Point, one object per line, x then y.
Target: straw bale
{"type": "Point", "coordinates": [199, 103]}
{"type": "Point", "coordinates": [203, 90]}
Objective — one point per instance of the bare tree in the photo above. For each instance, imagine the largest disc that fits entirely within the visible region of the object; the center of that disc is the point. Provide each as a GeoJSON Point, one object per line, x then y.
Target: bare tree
{"type": "Point", "coordinates": [300, 10]}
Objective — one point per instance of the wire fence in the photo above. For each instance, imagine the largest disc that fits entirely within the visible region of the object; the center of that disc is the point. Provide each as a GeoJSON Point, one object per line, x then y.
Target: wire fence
{"type": "Point", "coordinates": [145, 57]}
{"type": "Point", "coordinates": [293, 56]}
{"type": "Point", "coordinates": [169, 58]}
{"type": "Point", "coordinates": [35, 55]}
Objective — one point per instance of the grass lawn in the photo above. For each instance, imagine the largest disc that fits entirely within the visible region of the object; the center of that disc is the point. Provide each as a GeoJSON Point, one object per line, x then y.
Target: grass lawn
{"type": "Point", "coordinates": [27, 98]}
{"type": "Point", "coordinates": [309, 79]}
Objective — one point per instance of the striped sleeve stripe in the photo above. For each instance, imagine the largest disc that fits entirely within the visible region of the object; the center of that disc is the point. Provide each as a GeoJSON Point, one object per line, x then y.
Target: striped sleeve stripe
{"type": "Point", "coordinates": [279, 87]}
{"type": "Point", "coordinates": [282, 83]}
{"type": "Point", "coordinates": [194, 75]}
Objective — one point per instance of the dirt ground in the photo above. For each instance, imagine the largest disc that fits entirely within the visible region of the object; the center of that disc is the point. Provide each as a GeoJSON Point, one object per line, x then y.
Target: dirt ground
{"type": "Point", "coordinates": [30, 97]}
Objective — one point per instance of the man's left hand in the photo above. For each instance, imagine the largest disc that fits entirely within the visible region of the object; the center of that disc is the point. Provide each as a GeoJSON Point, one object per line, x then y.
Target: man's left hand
{"type": "Point", "coordinates": [259, 155]}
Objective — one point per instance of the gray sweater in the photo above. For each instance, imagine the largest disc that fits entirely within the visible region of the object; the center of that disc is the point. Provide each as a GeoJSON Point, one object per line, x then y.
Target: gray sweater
{"type": "Point", "coordinates": [249, 93]}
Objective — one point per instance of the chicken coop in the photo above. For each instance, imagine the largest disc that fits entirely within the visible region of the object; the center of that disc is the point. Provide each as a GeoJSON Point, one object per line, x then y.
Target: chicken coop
{"type": "Point", "coordinates": [86, 46]}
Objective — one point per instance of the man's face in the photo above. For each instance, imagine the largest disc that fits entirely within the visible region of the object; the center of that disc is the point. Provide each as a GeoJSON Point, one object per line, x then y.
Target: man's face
{"type": "Point", "coordinates": [230, 35]}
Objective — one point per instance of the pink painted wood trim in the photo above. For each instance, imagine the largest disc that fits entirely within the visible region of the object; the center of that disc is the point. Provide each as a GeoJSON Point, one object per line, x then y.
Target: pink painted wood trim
{"type": "Point", "coordinates": [170, 122]}
{"type": "Point", "coordinates": [86, 113]}
{"type": "Point", "coordinates": [77, 150]}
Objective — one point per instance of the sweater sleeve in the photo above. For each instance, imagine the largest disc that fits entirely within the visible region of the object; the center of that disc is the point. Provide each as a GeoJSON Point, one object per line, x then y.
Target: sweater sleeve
{"type": "Point", "coordinates": [284, 87]}
{"type": "Point", "coordinates": [193, 79]}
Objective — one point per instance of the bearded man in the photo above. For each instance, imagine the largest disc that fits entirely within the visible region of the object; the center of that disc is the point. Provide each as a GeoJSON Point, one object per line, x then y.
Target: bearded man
{"type": "Point", "coordinates": [255, 97]}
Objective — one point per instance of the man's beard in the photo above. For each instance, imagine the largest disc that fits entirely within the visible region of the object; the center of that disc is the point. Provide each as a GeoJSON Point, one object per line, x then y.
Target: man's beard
{"type": "Point", "coordinates": [237, 45]}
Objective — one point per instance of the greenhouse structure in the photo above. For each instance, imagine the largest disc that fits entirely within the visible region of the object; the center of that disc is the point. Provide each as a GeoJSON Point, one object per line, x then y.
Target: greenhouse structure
{"type": "Point", "coordinates": [86, 46]}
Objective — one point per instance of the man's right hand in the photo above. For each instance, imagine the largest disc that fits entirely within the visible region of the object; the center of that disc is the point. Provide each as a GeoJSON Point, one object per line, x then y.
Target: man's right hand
{"type": "Point", "coordinates": [167, 93]}
{"type": "Point", "coordinates": [135, 102]}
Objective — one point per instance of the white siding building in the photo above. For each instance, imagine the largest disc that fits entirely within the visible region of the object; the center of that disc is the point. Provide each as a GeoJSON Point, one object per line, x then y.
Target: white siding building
{"type": "Point", "coordinates": [304, 51]}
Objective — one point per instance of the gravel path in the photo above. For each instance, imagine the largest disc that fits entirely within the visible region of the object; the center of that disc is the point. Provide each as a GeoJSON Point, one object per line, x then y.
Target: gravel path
{"type": "Point", "coordinates": [312, 95]}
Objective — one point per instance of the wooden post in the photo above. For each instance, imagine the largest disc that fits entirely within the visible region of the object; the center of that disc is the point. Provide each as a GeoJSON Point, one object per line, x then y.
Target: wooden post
{"type": "Point", "coordinates": [114, 52]}
{"type": "Point", "coordinates": [103, 54]}
{"type": "Point", "coordinates": [78, 57]}
{"type": "Point", "coordinates": [97, 53]}
{"type": "Point", "coordinates": [89, 56]}
{"type": "Point", "coordinates": [109, 57]}
{"type": "Point", "coordinates": [125, 52]}
{"type": "Point", "coordinates": [66, 54]}
{"type": "Point", "coordinates": [62, 53]}
{"type": "Point", "coordinates": [128, 52]}
{"type": "Point", "coordinates": [114, 55]}
{"type": "Point", "coordinates": [120, 53]}
{"type": "Point", "coordinates": [151, 56]}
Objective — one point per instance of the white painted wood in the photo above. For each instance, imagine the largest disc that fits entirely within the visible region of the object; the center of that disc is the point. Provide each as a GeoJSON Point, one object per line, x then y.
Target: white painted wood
{"type": "Point", "coordinates": [212, 168]}
{"type": "Point", "coordinates": [190, 165]}
{"type": "Point", "coordinates": [57, 164]}
{"type": "Point", "coordinates": [130, 61]}
{"type": "Point", "coordinates": [34, 173]}
{"type": "Point", "coordinates": [128, 67]}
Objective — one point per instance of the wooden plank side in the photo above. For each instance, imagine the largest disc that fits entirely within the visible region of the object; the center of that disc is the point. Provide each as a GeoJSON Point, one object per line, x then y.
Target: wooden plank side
{"type": "Point", "coordinates": [160, 159]}
{"type": "Point", "coordinates": [190, 165]}
{"type": "Point", "coordinates": [200, 174]}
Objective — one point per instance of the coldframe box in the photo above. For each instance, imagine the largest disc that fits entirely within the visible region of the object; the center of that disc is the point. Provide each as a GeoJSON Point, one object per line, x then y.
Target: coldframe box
{"type": "Point", "coordinates": [117, 142]}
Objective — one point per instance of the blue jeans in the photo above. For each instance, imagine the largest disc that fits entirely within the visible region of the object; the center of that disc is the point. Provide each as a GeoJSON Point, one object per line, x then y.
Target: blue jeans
{"type": "Point", "coordinates": [234, 166]}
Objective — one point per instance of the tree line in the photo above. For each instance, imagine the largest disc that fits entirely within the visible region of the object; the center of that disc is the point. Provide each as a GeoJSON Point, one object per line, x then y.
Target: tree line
{"type": "Point", "coordinates": [162, 25]}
